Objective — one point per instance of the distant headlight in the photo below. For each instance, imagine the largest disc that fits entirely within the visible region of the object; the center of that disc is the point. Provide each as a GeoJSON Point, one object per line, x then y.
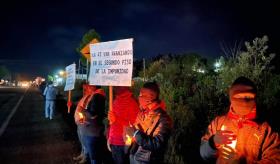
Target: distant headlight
{"type": "Point", "coordinates": [25, 85]}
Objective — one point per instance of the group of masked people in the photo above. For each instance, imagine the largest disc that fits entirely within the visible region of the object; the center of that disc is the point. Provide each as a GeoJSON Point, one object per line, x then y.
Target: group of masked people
{"type": "Point", "coordinates": [139, 129]}
{"type": "Point", "coordinates": [137, 132]}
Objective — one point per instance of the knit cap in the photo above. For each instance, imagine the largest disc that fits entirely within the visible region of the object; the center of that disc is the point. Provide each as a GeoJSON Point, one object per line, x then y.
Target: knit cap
{"type": "Point", "coordinates": [242, 87]}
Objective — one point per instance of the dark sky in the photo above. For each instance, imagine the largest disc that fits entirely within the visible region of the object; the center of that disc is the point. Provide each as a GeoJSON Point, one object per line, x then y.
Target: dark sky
{"type": "Point", "coordinates": [38, 37]}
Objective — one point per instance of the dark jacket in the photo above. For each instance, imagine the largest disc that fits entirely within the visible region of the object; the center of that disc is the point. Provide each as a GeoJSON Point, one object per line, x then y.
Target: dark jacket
{"type": "Point", "coordinates": [155, 127]}
{"type": "Point", "coordinates": [94, 114]}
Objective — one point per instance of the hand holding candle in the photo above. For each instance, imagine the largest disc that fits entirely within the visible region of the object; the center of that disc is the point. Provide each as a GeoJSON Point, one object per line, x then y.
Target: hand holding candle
{"type": "Point", "coordinates": [81, 118]}
{"type": "Point", "coordinates": [129, 131]}
{"type": "Point", "coordinates": [226, 141]}
{"type": "Point", "coordinates": [225, 137]}
{"type": "Point", "coordinates": [128, 140]}
{"type": "Point", "coordinates": [229, 155]}
{"type": "Point", "coordinates": [232, 138]}
{"type": "Point", "coordinates": [111, 117]}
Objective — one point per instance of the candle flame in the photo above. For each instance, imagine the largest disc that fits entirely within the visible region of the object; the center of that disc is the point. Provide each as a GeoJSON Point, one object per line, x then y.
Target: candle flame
{"type": "Point", "coordinates": [81, 115]}
{"type": "Point", "coordinates": [128, 140]}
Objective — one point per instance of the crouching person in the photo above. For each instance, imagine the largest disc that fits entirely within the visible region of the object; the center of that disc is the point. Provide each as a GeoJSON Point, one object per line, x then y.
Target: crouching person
{"type": "Point", "coordinates": [151, 130]}
{"type": "Point", "coordinates": [239, 136]}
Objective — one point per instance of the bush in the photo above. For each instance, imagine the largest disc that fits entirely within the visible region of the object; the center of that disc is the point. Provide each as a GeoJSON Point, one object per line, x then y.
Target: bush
{"type": "Point", "coordinates": [195, 93]}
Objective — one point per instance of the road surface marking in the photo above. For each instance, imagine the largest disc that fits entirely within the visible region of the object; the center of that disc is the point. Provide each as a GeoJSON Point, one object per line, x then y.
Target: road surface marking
{"type": "Point", "coordinates": [6, 122]}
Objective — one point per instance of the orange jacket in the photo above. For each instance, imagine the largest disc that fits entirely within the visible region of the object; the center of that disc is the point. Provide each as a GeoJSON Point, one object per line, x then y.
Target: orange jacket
{"type": "Point", "coordinates": [255, 142]}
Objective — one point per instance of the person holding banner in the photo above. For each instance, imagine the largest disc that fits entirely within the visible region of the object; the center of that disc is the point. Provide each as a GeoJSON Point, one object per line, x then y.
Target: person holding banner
{"type": "Point", "coordinates": [50, 94]}
{"type": "Point", "coordinates": [90, 119]}
{"type": "Point", "coordinates": [241, 136]}
{"type": "Point", "coordinates": [152, 128]}
{"type": "Point", "coordinates": [124, 112]}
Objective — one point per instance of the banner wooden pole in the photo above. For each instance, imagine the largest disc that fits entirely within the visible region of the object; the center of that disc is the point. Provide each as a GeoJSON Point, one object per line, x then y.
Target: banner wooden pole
{"type": "Point", "coordinates": [110, 98]}
{"type": "Point", "coordinates": [69, 103]}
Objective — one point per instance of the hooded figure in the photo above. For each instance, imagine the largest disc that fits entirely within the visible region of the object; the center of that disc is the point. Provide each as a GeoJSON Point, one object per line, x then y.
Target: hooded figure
{"type": "Point", "coordinates": [238, 137]}
{"type": "Point", "coordinates": [124, 112]}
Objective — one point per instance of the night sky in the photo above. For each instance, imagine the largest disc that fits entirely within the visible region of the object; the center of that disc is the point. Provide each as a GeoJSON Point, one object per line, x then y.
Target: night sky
{"type": "Point", "coordinates": [39, 37]}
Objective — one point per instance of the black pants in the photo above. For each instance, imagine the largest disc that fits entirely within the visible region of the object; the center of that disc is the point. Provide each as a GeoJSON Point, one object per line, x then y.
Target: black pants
{"type": "Point", "coordinates": [118, 154]}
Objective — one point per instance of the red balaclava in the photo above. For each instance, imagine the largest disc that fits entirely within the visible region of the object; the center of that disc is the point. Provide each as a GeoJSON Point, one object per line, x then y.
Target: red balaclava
{"type": "Point", "coordinates": [242, 96]}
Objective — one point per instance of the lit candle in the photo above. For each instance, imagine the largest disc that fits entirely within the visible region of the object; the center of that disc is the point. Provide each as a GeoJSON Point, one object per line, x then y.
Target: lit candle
{"type": "Point", "coordinates": [81, 116]}
{"type": "Point", "coordinates": [128, 140]}
{"type": "Point", "coordinates": [233, 142]}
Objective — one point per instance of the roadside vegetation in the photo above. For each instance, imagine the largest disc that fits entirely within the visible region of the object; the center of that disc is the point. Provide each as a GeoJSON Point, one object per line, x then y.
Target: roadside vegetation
{"type": "Point", "coordinates": [195, 90]}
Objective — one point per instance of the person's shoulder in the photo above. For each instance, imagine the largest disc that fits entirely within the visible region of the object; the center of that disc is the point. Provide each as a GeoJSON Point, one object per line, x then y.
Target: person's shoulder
{"type": "Point", "coordinates": [222, 117]}
{"type": "Point", "coordinates": [98, 95]}
{"type": "Point", "coordinates": [161, 112]}
{"type": "Point", "coordinates": [264, 126]}
{"type": "Point", "coordinates": [219, 119]}
{"type": "Point", "coordinates": [133, 101]}
{"type": "Point", "coordinates": [163, 117]}
{"type": "Point", "coordinates": [99, 92]}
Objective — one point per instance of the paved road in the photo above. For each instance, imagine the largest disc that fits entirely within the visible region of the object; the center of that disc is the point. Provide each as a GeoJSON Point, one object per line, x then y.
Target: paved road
{"type": "Point", "coordinates": [29, 137]}
{"type": "Point", "coordinates": [8, 99]}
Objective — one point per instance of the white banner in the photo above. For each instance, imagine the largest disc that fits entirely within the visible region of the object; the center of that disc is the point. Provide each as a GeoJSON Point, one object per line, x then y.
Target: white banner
{"type": "Point", "coordinates": [111, 63]}
{"type": "Point", "coordinates": [70, 77]}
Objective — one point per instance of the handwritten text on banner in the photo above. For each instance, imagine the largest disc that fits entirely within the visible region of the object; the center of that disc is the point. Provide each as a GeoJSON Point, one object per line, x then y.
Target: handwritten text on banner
{"type": "Point", "coordinates": [111, 63]}
{"type": "Point", "coordinates": [71, 77]}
